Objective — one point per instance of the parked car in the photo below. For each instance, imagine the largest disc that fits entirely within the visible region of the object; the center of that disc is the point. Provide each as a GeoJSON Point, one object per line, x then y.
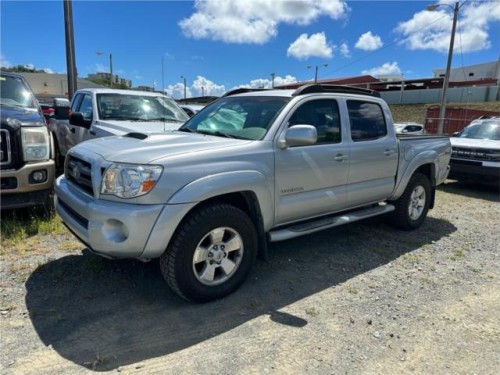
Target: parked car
{"type": "Point", "coordinates": [410, 128]}
{"type": "Point", "coordinates": [252, 167]}
{"type": "Point", "coordinates": [99, 113]}
{"type": "Point", "coordinates": [47, 111]}
{"type": "Point", "coordinates": [476, 151]}
{"type": "Point", "coordinates": [26, 155]}
{"type": "Point", "coordinates": [191, 109]}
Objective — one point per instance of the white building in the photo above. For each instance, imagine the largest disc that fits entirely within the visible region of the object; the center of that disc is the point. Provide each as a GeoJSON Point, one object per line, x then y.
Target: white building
{"type": "Point", "coordinates": [490, 70]}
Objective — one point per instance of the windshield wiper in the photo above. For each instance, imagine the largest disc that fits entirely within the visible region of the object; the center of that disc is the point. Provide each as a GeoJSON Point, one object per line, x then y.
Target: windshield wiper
{"type": "Point", "coordinates": [164, 119]}
{"type": "Point", "coordinates": [187, 130]}
{"type": "Point", "coordinates": [216, 133]}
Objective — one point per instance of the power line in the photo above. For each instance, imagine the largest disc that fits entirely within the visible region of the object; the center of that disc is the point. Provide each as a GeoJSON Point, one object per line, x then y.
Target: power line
{"type": "Point", "coordinates": [397, 40]}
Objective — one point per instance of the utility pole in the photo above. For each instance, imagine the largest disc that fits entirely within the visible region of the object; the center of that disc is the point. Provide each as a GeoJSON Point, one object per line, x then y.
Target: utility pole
{"type": "Point", "coordinates": [184, 78]}
{"type": "Point", "coordinates": [442, 109]}
{"type": "Point", "coordinates": [272, 79]}
{"type": "Point", "coordinates": [70, 48]}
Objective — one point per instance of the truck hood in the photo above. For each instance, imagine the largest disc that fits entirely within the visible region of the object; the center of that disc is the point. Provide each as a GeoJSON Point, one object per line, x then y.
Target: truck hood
{"type": "Point", "coordinates": [19, 116]}
{"type": "Point", "coordinates": [128, 149]}
{"type": "Point", "coordinates": [127, 126]}
{"type": "Point", "coordinates": [475, 143]}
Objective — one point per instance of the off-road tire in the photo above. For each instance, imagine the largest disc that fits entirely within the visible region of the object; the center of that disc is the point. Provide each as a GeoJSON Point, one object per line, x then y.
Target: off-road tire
{"type": "Point", "coordinates": [400, 217]}
{"type": "Point", "coordinates": [177, 262]}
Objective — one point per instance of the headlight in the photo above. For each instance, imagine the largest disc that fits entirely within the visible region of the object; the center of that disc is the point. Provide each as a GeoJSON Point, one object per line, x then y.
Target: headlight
{"type": "Point", "coordinates": [36, 145]}
{"type": "Point", "coordinates": [129, 180]}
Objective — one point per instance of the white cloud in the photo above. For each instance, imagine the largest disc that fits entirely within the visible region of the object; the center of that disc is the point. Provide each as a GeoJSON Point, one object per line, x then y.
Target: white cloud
{"type": "Point", "coordinates": [344, 50]}
{"type": "Point", "coordinates": [431, 30]}
{"type": "Point", "coordinates": [385, 69]}
{"type": "Point", "coordinates": [177, 91]}
{"type": "Point", "coordinates": [256, 21]}
{"type": "Point", "coordinates": [267, 83]}
{"type": "Point", "coordinates": [314, 46]}
{"type": "Point", "coordinates": [369, 42]}
{"type": "Point", "coordinates": [29, 66]}
{"type": "Point", "coordinates": [202, 85]}
{"type": "Point", "coordinates": [4, 62]}
{"type": "Point", "coordinates": [48, 70]}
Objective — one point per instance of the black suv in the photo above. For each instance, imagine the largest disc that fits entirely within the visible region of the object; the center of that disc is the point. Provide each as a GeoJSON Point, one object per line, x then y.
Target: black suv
{"type": "Point", "coordinates": [26, 148]}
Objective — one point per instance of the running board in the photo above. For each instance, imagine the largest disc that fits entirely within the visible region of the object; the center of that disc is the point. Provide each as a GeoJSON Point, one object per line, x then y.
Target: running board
{"type": "Point", "coordinates": [302, 229]}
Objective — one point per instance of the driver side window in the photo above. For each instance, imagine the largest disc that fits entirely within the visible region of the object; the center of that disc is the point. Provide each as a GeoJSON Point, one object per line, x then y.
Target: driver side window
{"type": "Point", "coordinates": [86, 107]}
{"type": "Point", "coordinates": [323, 114]}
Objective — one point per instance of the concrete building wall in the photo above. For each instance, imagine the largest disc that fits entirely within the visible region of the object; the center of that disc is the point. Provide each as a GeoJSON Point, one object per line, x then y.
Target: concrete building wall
{"type": "Point", "coordinates": [454, 94]}
{"type": "Point", "coordinates": [471, 72]}
{"type": "Point", "coordinates": [54, 85]}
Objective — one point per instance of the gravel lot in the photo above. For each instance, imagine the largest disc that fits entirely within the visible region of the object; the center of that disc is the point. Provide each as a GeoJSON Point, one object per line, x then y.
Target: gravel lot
{"type": "Point", "coordinates": [358, 299]}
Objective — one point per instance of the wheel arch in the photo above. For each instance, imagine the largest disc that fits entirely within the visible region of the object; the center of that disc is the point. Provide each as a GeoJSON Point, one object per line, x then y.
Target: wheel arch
{"type": "Point", "coordinates": [248, 202]}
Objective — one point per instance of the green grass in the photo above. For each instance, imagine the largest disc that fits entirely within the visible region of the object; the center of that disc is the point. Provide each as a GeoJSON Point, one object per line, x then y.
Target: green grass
{"type": "Point", "coordinates": [18, 226]}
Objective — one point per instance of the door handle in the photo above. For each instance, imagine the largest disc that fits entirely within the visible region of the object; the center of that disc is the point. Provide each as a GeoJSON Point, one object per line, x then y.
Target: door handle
{"type": "Point", "coordinates": [388, 152]}
{"type": "Point", "coordinates": [72, 130]}
{"type": "Point", "coordinates": [340, 157]}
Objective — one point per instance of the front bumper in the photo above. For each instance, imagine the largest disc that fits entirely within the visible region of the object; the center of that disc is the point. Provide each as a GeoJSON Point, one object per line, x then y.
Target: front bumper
{"type": "Point", "coordinates": [117, 230]}
{"type": "Point", "coordinates": [487, 170]}
{"type": "Point", "coordinates": [19, 189]}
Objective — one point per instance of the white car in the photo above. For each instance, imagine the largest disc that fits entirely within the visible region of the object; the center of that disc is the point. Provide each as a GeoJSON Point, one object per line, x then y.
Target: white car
{"type": "Point", "coordinates": [411, 128]}
{"type": "Point", "coordinates": [476, 151]}
{"type": "Point", "coordinates": [191, 109]}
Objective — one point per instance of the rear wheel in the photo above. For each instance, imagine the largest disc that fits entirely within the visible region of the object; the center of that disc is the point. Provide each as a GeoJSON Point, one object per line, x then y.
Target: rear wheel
{"type": "Point", "coordinates": [211, 253]}
{"type": "Point", "coordinates": [412, 207]}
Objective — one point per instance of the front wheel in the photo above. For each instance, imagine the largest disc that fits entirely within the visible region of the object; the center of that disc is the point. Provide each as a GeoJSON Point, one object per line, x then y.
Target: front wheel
{"type": "Point", "coordinates": [211, 253]}
{"type": "Point", "coordinates": [412, 207]}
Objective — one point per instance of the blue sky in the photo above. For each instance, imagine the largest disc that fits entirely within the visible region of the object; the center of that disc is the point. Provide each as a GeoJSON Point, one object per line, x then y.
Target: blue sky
{"type": "Point", "coordinates": [222, 44]}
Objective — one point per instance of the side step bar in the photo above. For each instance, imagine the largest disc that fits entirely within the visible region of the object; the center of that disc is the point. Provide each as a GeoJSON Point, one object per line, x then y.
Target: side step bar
{"type": "Point", "coordinates": [302, 229]}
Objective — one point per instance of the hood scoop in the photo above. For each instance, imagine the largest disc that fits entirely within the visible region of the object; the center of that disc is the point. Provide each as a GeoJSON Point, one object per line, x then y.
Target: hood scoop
{"type": "Point", "coordinates": [140, 136]}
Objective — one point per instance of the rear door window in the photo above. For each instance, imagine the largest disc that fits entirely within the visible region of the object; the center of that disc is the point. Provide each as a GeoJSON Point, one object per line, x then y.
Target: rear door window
{"type": "Point", "coordinates": [367, 121]}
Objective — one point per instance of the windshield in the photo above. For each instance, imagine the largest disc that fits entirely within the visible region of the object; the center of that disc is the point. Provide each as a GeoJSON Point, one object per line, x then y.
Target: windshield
{"type": "Point", "coordinates": [15, 93]}
{"type": "Point", "coordinates": [484, 130]}
{"type": "Point", "coordinates": [114, 106]}
{"type": "Point", "coordinates": [237, 117]}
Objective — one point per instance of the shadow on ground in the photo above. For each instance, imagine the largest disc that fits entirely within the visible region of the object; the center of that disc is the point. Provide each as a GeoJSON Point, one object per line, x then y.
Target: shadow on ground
{"type": "Point", "coordinates": [103, 314]}
{"type": "Point", "coordinates": [473, 189]}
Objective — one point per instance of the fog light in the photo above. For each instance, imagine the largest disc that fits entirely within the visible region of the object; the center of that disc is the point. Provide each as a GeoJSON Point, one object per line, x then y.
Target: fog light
{"type": "Point", "coordinates": [115, 231]}
{"type": "Point", "coordinates": [38, 177]}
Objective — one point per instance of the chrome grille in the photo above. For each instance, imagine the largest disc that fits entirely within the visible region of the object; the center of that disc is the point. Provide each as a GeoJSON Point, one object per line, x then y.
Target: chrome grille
{"type": "Point", "coordinates": [5, 154]}
{"type": "Point", "coordinates": [475, 153]}
{"type": "Point", "coordinates": [79, 172]}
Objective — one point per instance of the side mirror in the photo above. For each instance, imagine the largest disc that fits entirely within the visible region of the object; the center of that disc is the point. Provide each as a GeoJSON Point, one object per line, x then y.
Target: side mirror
{"type": "Point", "coordinates": [61, 112]}
{"type": "Point", "coordinates": [455, 134]}
{"type": "Point", "coordinates": [299, 135]}
{"type": "Point", "coordinates": [77, 119]}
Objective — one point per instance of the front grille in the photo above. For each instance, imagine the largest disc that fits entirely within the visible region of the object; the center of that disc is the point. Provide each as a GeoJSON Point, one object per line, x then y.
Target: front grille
{"type": "Point", "coordinates": [5, 154]}
{"type": "Point", "coordinates": [79, 172]}
{"type": "Point", "coordinates": [475, 153]}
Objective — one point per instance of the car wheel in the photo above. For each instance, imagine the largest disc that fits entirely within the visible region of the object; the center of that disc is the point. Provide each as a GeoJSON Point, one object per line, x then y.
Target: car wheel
{"type": "Point", "coordinates": [211, 253]}
{"type": "Point", "coordinates": [412, 207]}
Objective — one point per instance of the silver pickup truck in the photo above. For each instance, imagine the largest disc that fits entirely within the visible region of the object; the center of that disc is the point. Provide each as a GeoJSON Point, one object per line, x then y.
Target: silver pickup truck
{"type": "Point", "coordinates": [106, 112]}
{"type": "Point", "coordinates": [251, 168]}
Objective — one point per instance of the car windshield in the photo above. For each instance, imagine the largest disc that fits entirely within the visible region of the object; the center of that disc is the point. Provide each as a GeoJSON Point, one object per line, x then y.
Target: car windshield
{"type": "Point", "coordinates": [484, 130]}
{"type": "Point", "coordinates": [114, 106]}
{"type": "Point", "coordinates": [15, 93]}
{"type": "Point", "coordinates": [237, 117]}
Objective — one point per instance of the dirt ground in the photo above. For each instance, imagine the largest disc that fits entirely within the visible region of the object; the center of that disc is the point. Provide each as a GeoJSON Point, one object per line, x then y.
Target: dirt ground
{"type": "Point", "coordinates": [359, 299]}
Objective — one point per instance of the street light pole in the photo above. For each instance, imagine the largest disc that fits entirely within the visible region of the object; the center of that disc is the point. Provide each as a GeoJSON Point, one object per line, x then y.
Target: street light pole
{"type": "Point", "coordinates": [184, 78]}
{"type": "Point", "coordinates": [316, 71]}
{"type": "Point", "coordinates": [111, 69]}
{"type": "Point", "coordinates": [442, 109]}
{"type": "Point", "coordinates": [111, 80]}
{"type": "Point", "coordinates": [272, 79]}
{"type": "Point", "coordinates": [163, 74]}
